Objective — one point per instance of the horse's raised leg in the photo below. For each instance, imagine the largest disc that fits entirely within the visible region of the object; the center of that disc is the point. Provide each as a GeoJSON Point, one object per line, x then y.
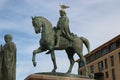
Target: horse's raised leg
{"type": "Point", "coordinates": [70, 57]}
{"type": "Point", "coordinates": [34, 55]}
{"type": "Point", "coordinates": [54, 61]}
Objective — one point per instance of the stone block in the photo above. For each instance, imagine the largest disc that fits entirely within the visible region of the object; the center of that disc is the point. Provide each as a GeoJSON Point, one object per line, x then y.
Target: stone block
{"type": "Point", "coordinates": [56, 76]}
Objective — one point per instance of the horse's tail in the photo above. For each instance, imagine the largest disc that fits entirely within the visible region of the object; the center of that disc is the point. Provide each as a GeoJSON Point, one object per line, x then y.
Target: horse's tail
{"type": "Point", "coordinates": [86, 42]}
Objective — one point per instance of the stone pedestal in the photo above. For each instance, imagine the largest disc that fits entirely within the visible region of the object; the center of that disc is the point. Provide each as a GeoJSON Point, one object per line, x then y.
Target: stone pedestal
{"type": "Point", "coordinates": [58, 76]}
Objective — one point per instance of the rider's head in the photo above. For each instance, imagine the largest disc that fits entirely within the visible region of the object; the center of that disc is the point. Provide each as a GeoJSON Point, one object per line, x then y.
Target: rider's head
{"type": "Point", "coordinates": [62, 12]}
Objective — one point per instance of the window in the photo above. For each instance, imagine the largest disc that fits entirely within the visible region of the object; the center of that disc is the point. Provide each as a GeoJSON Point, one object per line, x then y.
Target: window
{"type": "Point", "coordinates": [80, 72]}
{"type": "Point", "coordinates": [98, 54]}
{"type": "Point", "coordinates": [112, 46]}
{"type": "Point", "coordinates": [107, 75]}
{"type": "Point", "coordinates": [118, 43]}
{"type": "Point", "coordinates": [92, 69]}
{"type": "Point", "coordinates": [100, 66]}
{"type": "Point", "coordinates": [112, 60]}
{"type": "Point", "coordinates": [113, 74]}
{"type": "Point", "coordinates": [104, 50]}
{"type": "Point", "coordinates": [106, 65]}
{"type": "Point", "coordinates": [87, 60]}
{"type": "Point", "coordinates": [92, 57]}
{"type": "Point", "coordinates": [80, 64]}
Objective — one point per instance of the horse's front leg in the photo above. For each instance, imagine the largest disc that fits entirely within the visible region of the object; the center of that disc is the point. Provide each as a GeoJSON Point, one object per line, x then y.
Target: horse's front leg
{"type": "Point", "coordinates": [36, 51]}
{"type": "Point", "coordinates": [54, 61]}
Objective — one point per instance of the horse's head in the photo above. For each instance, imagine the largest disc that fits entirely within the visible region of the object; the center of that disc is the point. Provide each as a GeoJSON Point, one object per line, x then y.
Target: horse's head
{"type": "Point", "coordinates": [37, 24]}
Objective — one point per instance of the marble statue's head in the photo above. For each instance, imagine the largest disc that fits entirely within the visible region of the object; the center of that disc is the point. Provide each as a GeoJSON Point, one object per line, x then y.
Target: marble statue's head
{"type": "Point", "coordinates": [7, 38]}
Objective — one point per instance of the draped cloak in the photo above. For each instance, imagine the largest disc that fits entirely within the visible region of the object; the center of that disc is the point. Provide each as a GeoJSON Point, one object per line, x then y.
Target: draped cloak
{"type": "Point", "coordinates": [9, 61]}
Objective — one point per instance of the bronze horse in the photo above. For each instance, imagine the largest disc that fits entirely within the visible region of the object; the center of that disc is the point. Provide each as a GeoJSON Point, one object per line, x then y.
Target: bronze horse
{"type": "Point", "coordinates": [47, 41]}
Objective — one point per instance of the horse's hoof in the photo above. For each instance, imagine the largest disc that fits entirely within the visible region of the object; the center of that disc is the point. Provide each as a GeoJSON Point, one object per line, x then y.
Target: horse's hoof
{"type": "Point", "coordinates": [34, 64]}
{"type": "Point", "coordinates": [68, 72]}
{"type": "Point", "coordinates": [53, 71]}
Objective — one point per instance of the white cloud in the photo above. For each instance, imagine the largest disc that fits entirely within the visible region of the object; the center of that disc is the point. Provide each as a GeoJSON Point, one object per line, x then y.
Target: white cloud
{"type": "Point", "coordinates": [6, 25]}
{"type": "Point", "coordinates": [3, 4]}
{"type": "Point", "coordinates": [24, 70]}
{"type": "Point", "coordinates": [95, 22]}
{"type": "Point", "coordinates": [24, 26]}
{"type": "Point", "coordinates": [37, 7]}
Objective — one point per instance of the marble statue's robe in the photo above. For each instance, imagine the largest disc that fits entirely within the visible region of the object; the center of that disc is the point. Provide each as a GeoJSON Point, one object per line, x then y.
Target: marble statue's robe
{"type": "Point", "coordinates": [1, 61]}
{"type": "Point", "coordinates": [9, 61]}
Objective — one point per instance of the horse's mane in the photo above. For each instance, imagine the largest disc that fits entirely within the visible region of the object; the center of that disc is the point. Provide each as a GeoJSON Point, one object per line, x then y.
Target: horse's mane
{"type": "Point", "coordinates": [43, 19]}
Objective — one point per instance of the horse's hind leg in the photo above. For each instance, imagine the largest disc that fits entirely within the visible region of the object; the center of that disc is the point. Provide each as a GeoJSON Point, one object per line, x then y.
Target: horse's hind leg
{"type": "Point", "coordinates": [80, 54]}
{"type": "Point", "coordinates": [70, 54]}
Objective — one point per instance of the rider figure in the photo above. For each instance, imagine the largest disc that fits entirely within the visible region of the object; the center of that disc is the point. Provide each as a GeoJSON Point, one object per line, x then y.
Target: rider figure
{"type": "Point", "coordinates": [63, 28]}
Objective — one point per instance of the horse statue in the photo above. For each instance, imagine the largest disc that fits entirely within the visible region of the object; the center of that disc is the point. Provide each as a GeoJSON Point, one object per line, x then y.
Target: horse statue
{"type": "Point", "coordinates": [47, 42]}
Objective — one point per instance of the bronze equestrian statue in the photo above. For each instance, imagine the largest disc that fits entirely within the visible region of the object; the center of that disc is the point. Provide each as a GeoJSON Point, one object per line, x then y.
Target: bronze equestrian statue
{"type": "Point", "coordinates": [65, 40]}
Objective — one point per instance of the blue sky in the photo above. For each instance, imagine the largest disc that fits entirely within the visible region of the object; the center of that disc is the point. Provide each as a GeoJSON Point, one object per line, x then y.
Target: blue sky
{"type": "Point", "coordinates": [97, 20]}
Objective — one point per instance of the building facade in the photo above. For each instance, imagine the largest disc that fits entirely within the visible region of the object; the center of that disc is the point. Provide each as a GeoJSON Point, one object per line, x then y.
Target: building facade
{"type": "Point", "coordinates": [104, 61]}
